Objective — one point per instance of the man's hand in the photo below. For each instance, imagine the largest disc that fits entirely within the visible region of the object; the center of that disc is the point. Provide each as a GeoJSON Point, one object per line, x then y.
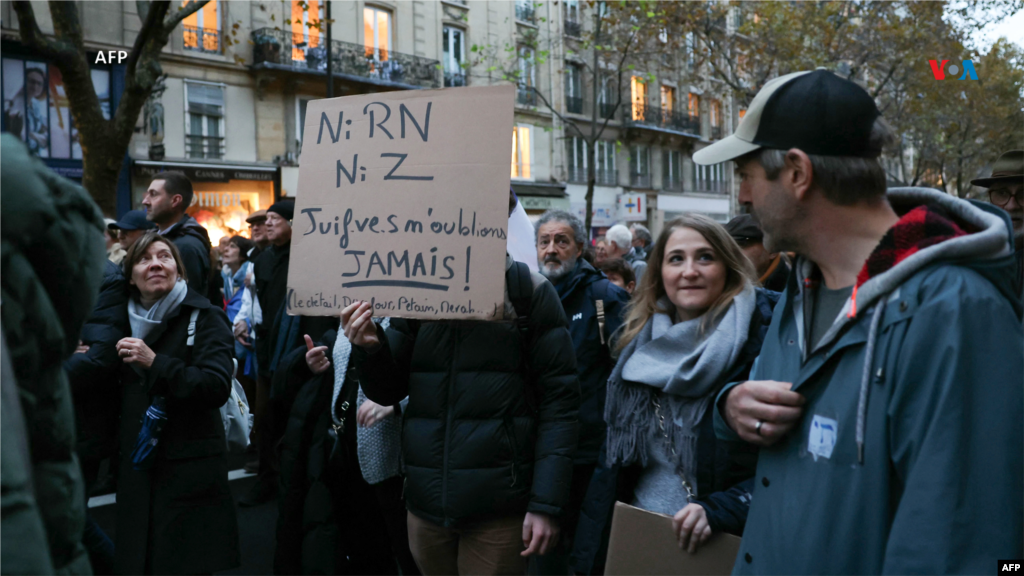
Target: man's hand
{"type": "Point", "coordinates": [357, 323]}
{"type": "Point", "coordinates": [370, 413]}
{"type": "Point", "coordinates": [81, 348]}
{"type": "Point", "coordinates": [241, 331]}
{"type": "Point", "coordinates": [540, 534]}
{"type": "Point", "coordinates": [691, 527]}
{"type": "Point", "coordinates": [316, 357]}
{"type": "Point", "coordinates": [772, 403]}
{"type": "Point", "coordinates": [135, 351]}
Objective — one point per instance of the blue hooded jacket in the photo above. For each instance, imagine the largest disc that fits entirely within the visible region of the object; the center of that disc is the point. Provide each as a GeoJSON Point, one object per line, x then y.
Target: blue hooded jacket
{"type": "Point", "coordinates": [908, 456]}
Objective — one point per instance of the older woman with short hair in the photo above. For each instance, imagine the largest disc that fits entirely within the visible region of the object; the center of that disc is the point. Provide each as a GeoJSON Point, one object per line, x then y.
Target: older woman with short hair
{"type": "Point", "coordinates": [178, 515]}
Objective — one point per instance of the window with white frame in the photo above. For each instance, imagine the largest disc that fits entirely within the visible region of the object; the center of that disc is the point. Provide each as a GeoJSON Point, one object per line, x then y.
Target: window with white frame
{"type": "Point", "coordinates": [604, 160]}
{"type": "Point", "coordinates": [521, 152]}
{"type": "Point", "coordinates": [576, 155]}
{"type": "Point", "coordinates": [573, 88]}
{"type": "Point", "coordinates": [709, 178]}
{"type": "Point", "coordinates": [307, 33]}
{"type": "Point", "coordinates": [527, 76]}
{"type": "Point", "coordinates": [672, 175]}
{"type": "Point", "coordinates": [640, 166]}
{"type": "Point", "coordinates": [201, 29]}
{"type": "Point", "coordinates": [377, 33]}
{"type": "Point", "coordinates": [204, 120]}
{"type": "Point", "coordinates": [454, 54]}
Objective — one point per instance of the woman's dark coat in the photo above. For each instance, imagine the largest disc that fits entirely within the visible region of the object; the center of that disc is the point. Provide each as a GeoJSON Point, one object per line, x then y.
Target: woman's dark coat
{"type": "Point", "coordinates": [179, 516]}
{"type": "Point", "coordinates": [724, 476]}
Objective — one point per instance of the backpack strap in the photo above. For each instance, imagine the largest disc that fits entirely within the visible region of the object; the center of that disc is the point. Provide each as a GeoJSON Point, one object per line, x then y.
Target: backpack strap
{"type": "Point", "coordinates": [520, 292]}
{"type": "Point", "coordinates": [192, 327]}
{"type": "Point", "coordinates": [599, 305]}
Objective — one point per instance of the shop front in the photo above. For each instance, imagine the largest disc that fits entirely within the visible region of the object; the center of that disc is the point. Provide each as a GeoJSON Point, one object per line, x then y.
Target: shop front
{"type": "Point", "coordinates": [225, 194]}
{"type": "Point", "coordinates": [539, 197]}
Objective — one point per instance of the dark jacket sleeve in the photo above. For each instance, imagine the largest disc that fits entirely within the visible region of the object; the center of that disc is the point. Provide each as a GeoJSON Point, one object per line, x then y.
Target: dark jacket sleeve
{"type": "Point", "coordinates": [727, 510]}
{"type": "Point", "coordinates": [384, 375]}
{"type": "Point", "coordinates": [207, 380]}
{"type": "Point", "coordinates": [196, 260]}
{"type": "Point", "coordinates": [101, 332]}
{"type": "Point", "coordinates": [553, 369]}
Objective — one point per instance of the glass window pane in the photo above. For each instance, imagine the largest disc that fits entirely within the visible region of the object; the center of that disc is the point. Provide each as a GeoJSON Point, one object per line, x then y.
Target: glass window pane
{"type": "Point", "coordinates": [524, 139]}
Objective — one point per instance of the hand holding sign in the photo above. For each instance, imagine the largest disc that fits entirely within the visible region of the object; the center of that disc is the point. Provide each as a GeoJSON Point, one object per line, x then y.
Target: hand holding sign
{"type": "Point", "coordinates": [357, 322]}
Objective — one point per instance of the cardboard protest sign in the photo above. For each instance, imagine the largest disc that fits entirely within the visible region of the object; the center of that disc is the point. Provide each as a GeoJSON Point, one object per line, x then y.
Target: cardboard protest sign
{"type": "Point", "coordinates": [403, 202]}
{"type": "Point", "coordinates": [643, 542]}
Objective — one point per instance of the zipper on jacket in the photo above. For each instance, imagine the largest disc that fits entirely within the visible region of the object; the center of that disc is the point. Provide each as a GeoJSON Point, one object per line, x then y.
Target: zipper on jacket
{"type": "Point", "coordinates": [448, 424]}
{"type": "Point", "coordinates": [510, 436]}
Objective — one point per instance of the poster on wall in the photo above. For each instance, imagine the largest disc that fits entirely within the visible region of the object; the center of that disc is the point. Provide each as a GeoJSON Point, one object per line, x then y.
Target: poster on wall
{"type": "Point", "coordinates": [403, 203]}
{"type": "Point", "coordinates": [632, 207]}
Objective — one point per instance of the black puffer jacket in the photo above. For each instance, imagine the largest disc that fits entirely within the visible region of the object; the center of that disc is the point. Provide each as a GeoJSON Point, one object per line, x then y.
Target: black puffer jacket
{"type": "Point", "coordinates": [193, 241]}
{"type": "Point", "coordinates": [474, 444]}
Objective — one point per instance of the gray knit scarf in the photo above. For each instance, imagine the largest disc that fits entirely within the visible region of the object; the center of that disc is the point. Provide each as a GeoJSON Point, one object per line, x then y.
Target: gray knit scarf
{"type": "Point", "coordinates": [672, 361]}
{"type": "Point", "coordinates": [146, 323]}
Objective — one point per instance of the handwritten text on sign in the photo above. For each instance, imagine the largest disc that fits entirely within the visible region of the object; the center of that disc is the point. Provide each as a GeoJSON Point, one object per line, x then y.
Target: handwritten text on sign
{"type": "Point", "coordinates": [403, 203]}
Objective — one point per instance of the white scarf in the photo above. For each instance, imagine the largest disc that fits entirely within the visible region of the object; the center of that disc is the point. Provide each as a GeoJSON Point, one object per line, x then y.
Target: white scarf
{"type": "Point", "coordinates": [145, 322]}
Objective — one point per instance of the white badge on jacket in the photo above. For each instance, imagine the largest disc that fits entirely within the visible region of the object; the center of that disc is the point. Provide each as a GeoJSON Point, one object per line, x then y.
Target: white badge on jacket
{"type": "Point", "coordinates": [822, 437]}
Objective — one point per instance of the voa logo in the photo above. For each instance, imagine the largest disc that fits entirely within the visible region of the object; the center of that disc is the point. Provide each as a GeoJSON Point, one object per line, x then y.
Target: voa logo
{"type": "Point", "coordinates": [939, 70]}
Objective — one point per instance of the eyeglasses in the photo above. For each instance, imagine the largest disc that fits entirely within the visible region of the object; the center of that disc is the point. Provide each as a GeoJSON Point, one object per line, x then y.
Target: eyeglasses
{"type": "Point", "coordinates": [1001, 196]}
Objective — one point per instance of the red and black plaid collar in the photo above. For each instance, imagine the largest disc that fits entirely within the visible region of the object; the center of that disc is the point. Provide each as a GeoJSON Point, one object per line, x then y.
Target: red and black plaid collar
{"type": "Point", "coordinates": [918, 229]}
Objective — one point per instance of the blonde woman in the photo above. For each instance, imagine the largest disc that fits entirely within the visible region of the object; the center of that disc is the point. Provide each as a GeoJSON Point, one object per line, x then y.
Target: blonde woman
{"type": "Point", "coordinates": [696, 324]}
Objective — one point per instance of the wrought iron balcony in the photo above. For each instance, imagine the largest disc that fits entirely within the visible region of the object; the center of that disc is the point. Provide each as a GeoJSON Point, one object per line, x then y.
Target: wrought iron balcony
{"type": "Point", "coordinates": [204, 146]}
{"type": "Point", "coordinates": [280, 48]}
{"type": "Point", "coordinates": [640, 180]}
{"type": "Point", "coordinates": [524, 12]}
{"type": "Point", "coordinates": [202, 39]}
{"type": "Point", "coordinates": [607, 110]}
{"type": "Point", "coordinates": [578, 175]}
{"type": "Point", "coordinates": [716, 132]}
{"type": "Point", "coordinates": [526, 96]}
{"type": "Point", "coordinates": [711, 187]}
{"type": "Point", "coordinates": [660, 118]}
{"type": "Point", "coordinates": [672, 184]}
{"type": "Point", "coordinates": [572, 28]}
{"type": "Point", "coordinates": [574, 105]}
{"type": "Point", "coordinates": [454, 79]}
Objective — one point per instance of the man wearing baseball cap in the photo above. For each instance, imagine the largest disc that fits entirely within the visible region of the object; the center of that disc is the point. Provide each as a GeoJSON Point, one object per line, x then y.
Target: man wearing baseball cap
{"type": "Point", "coordinates": [890, 440]}
{"type": "Point", "coordinates": [1006, 190]}
{"type": "Point", "coordinates": [131, 227]}
{"type": "Point", "coordinates": [772, 267]}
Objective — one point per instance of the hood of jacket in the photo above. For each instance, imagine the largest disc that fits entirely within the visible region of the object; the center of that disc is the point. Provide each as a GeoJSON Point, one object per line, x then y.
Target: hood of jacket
{"type": "Point", "coordinates": [189, 226]}
{"type": "Point", "coordinates": [583, 275]}
{"type": "Point", "coordinates": [981, 239]}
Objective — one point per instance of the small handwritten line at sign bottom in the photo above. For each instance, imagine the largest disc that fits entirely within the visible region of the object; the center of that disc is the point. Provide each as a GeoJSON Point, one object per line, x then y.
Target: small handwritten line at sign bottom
{"type": "Point", "coordinates": [395, 283]}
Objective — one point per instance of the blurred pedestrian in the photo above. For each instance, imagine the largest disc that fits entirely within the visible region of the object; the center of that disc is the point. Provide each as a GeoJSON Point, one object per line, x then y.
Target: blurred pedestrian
{"type": "Point", "coordinates": [877, 381]}
{"type": "Point", "coordinates": [168, 197]}
{"type": "Point", "coordinates": [130, 228]}
{"type": "Point", "coordinates": [237, 267]}
{"type": "Point", "coordinates": [697, 326]}
{"type": "Point", "coordinates": [1006, 190]}
{"type": "Point", "coordinates": [772, 268]}
{"type": "Point", "coordinates": [595, 308]}
{"type": "Point", "coordinates": [52, 266]}
{"type": "Point", "coordinates": [620, 245]}
{"type": "Point", "coordinates": [178, 516]}
{"type": "Point", "coordinates": [276, 336]}
{"type": "Point", "coordinates": [619, 273]}
{"type": "Point", "coordinates": [114, 251]}
{"type": "Point", "coordinates": [258, 232]}
{"type": "Point", "coordinates": [487, 443]}
{"type": "Point", "coordinates": [643, 242]}
{"type": "Point", "coordinates": [600, 249]}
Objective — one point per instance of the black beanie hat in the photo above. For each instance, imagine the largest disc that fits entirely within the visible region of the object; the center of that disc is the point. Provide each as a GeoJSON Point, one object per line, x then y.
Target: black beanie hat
{"type": "Point", "coordinates": [285, 208]}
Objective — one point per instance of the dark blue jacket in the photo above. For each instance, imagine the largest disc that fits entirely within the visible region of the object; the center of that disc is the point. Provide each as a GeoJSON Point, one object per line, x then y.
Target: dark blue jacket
{"type": "Point", "coordinates": [94, 375]}
{"type": "Point", "coordinates": [724, 472]}
{"type": "Point", "coordinates": [579, 292]}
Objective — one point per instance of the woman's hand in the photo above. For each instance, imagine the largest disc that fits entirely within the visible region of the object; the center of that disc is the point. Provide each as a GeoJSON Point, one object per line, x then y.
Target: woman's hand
{"type": "Point", "coordinates": [370, 413]}
{"type": "Point", "coordinates": [135, 351]}
{"type": "Point", "coordinates": [691, 527]}
{"type": "Point", "coordinates": [316, 357]}
{"type": "Point", "coordinates": [357, 322]}
{"type": "Point", "coordinates": [81, 348]}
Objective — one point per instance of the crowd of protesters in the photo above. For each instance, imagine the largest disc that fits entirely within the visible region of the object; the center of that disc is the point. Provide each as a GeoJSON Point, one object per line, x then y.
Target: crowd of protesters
{"type": "Point", "coordinates": [835, 375]}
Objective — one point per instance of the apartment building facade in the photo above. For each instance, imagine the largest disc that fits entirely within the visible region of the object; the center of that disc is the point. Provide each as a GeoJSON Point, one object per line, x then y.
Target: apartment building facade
{"type": "Point", "coordinates": [239, 75]}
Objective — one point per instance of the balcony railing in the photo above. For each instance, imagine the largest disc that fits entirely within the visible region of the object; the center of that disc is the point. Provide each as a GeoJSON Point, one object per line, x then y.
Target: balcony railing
{"type": "Point", "coordinates": [578, 175]}
{"type": "Point", "coordinates": [202, 39]}
{"type": "Point", "coordinates": [572, 28]}
{"type": "Point", "coordinates": [454, 79]}
{"type": "Point", "coordinates": [296, 51]}
{"type": "Point", "coordinates": [204, 146]}
{"type": "Point", "coordinates": [574, 105]}
{"type": "Point", "coordinates": [711, 187]}
{"type": "Point", "coordinates": [526, 96]}
{"type": "Point", "coordinates": [716, 132]}
{"type": "Point", "coordinates": [524, 12]}
{"type": "Point", "coordinates": [640, 180]}
{"type": "Point", "coordinates": [661, 118]}
{"type": "Point", "coordinates": [672, 184]}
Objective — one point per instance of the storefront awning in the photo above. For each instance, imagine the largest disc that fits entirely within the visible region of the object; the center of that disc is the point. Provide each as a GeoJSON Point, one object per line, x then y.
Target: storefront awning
{"type": "Point", "coordinates": [551, 190]}
{"type": "Point", "coordinates": [207, 172]}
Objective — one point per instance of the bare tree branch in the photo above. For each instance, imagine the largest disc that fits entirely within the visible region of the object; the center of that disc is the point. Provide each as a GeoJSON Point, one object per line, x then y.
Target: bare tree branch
{"type": "Point", "coordinates": [142, 7]}
{"type": "Point", "coordinates": [33, 37]}
{"type": "Point", "coordinates": [151, 25]}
